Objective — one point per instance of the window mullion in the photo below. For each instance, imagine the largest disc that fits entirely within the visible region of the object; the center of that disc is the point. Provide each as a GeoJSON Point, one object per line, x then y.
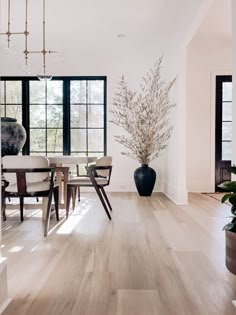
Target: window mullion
{"type": "Point", "coordinates": [25, 115]}
{"type": "Point", "coordinates": [66, 117]}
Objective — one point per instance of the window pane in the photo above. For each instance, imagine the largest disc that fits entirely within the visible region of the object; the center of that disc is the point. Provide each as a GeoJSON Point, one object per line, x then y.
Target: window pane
{"type": "Point", "coordinates": [95, 92]}
{"type": "Point", "coordinates": [226, 151]}
{"type": "Point", "coordinates": [54, 92]}
{"type": "Point", "coordinates": [97, 154]}
{"type": "Point", "coordinates": [227, 111]}
{"type": "Point", "coordinates": [95, 116]}
{"type": "Point", "coordinates": [37, 116]}
{"type": "Point", "coordinates": [13, 92]}
{"type": "Point", "coordinates": [37, 140]}
{"type": "Point", "coordinates": [78, 140]}
{"type": "Point", "coordinates": [81, 167]}
{"type": "Point", "coordinates": [95, 139]}
{"type": "Point", "coordinates": [2, 110]}
{"type": "Point", "coordinates": [37, 92]}
{"type": "Point", "coordinates": [54, 140]}
{"type": "Point", "coordinates": [78, 92]}
{"type": "Point", "coordinates": [14, 111]}
{"type": "Point", "coordinates": [227, 91]}
{"type": "Point", "coordinates": [226, 130]}
{"type": "Point", "coordinates": [54, 116]}
{"type": "Point", "coordinates": [38, 153]}
{"type": "Point", "coordinates": [78, 116]}
{"type": "Point", "coordinates": [51, 154]}
{"type": "Point", "coordinates": [2, 93]}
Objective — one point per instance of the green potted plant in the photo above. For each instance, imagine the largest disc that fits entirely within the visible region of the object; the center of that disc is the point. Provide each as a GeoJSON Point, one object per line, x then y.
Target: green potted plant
{"type": "Point", "coordinates": [230, 228]}
{"type": "Point", "coordinates": [143, 115]}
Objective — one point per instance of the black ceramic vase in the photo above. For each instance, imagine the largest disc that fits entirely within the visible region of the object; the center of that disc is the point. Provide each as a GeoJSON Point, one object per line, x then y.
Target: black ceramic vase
{"type": "Point", "coordinates": [13, 136]}
{"type": "Point", "coordinates": [145, 178]}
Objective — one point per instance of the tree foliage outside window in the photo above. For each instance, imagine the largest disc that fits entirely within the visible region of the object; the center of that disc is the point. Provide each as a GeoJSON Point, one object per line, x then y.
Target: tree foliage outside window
{"type": "Point", "coordinates": [74, 123]}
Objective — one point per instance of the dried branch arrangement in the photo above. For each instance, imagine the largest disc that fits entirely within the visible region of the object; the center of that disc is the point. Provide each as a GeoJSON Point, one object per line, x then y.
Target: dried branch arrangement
{"type": "Point", "coordinates": [144, 116]}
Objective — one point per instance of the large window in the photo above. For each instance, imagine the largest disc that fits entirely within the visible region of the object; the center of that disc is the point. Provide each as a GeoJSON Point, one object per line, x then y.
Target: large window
{"type": "Point", "coordinates": [11, 97]}
{"type": "Point", "coordinates": [66, 115]}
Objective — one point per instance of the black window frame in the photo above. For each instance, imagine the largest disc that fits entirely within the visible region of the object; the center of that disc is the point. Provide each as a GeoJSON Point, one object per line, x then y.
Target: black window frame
{"type": "Point", "coordinates": [66, 110]}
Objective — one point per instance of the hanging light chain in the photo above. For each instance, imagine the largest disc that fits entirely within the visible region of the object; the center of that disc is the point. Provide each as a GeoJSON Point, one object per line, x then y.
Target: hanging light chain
{"type": "Point", "coordinates": [26, 52]}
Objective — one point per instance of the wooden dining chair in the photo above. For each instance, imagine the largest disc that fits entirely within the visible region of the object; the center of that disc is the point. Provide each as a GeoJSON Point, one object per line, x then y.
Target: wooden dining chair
{"type": "Point", "coordinates": [98, 177]}
{"type": "Point", "coordinates": [29, 176]}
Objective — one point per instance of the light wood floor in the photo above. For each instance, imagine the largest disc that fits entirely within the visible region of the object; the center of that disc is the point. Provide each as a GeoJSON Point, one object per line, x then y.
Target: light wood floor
{"type": "Point", "coordinates": [152, 258]}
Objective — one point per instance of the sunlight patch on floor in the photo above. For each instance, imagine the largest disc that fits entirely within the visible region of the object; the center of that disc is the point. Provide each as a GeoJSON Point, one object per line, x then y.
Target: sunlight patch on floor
{"type": "Point", "coordinates": [15, 249]}
{"type": "Point", "coordinates": [75, 217]}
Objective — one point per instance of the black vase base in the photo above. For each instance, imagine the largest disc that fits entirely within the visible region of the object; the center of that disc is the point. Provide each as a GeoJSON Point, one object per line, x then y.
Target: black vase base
{"type": "Point", "coordinates": [145, 178]}
{"type": "Point", "coordinates": [144, 195]}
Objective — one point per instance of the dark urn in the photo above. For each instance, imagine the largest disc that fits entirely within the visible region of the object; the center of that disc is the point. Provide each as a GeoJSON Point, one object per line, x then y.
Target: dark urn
{"type": "Point", "coordinates": [13, 136]}
{"type": "Point", "coordinates": [145, 178]}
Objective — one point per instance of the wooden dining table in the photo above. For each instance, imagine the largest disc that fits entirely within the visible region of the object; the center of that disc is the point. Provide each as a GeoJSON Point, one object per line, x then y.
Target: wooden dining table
{"type": "Point", "coordinates": [63, 172]}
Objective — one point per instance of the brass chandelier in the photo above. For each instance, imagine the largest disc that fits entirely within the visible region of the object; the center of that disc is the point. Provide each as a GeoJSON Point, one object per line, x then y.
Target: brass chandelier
{"type": "Point", "coordinates": [9, 33]}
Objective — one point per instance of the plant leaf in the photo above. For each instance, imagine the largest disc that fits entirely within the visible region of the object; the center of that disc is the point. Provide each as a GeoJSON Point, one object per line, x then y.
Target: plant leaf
{"type": "Point", "coordinates": [229, 227]}
{"type": "Point", "coordinates": [225, 197]}
{"type": "Point", "coordinates": [229, 186]}
{"type": "Point", "coordinates": [232, 169]}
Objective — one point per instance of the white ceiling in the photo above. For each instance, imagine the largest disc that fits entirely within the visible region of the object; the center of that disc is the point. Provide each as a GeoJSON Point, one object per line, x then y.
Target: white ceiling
{"type": "Point", "coordinates": [94, 22]}
{"type": "Point", "coordinates": [86, 30]}
{"type": "Point", "coordinates": [216, 27]}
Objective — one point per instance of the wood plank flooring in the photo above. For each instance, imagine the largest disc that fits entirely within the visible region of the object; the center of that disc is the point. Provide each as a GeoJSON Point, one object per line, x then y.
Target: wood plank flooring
{"type": "Point", "coordinates": [153, 258]}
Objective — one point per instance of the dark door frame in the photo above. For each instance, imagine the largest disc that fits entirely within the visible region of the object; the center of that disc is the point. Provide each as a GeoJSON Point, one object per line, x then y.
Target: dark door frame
{"type": "Point", "coordinates": [221, 166]}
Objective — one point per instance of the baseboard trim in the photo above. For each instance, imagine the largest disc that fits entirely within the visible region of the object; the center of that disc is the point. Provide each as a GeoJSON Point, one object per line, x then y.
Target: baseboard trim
{"type": "Point", "coordinates": [169, 197]}
{"type": "Point", "coordinates": [5, 305]}
{"type": "Point", "coordinates": [179, 197]}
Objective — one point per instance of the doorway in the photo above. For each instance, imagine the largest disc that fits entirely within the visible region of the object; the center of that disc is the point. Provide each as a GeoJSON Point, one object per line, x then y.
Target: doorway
{"type": "Point", "coordinates": [223, 129]}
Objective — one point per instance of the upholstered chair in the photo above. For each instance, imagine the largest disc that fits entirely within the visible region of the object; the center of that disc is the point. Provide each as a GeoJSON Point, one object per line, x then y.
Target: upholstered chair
{"type": "Point", "coordinates": [29, 176]}
{"type": "Point", "coordinates": [98, 177]}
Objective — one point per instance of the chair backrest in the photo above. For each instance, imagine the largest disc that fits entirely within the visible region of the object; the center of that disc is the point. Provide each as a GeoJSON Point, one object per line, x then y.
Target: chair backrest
{"type": "Point", "coordinates": [16, 161]}
{"type": "Point", "coordinates": [104, 161]}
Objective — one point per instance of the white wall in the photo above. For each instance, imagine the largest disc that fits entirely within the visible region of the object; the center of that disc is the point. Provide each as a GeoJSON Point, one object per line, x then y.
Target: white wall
{"type": "Point", "coordinates": [202, 69]}
{"type": "Point", "coordinates": [175, 185]}
{"type": "Point", "coordinates": [209, 54]}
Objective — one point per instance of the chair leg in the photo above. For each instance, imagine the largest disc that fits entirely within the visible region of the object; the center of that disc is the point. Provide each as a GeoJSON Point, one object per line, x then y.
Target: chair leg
{"type": "Point", "coordinates": [102, 201]}
{"type": "Point", "coordinates": [69, 194]}
{"type": "Point", "coordinates": [106, 198]}
{"type": "Point", "coordinates": [97, 188]}
{"type": "Point", "coordinates": [46, 226]}
{"type": "Point", "coordinates": [56, 201]}
{"type": "Point", "coordinates": [22, 209]}
{"type": "Point", "coordinates": [78, 193]}
{"type": "Point", "coordinates": [4, 208]}
{"type": "Point", "coordinates": [74, 196]}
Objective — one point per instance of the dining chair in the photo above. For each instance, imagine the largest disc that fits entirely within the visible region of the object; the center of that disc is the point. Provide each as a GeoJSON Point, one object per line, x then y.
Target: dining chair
{"type": "Point", "coordinates": [98, 177]}
{"type": "Point", "coordinates": [29, 176]}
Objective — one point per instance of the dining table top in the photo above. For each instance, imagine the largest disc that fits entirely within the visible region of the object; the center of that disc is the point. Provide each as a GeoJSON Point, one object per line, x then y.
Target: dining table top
{"type": "Point", "coordinates": [70, 159]}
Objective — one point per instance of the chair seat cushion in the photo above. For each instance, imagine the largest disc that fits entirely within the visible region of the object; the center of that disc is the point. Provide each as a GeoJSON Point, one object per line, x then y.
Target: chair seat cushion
{"type": "Point", "coordinates": [31, 187]}
{"type": "Point", "coordinates": [80, 181]}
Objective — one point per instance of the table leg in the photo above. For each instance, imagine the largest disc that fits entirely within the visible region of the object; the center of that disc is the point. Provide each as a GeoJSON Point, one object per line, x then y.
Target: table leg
{"type": "Point", "coordinates": [62, 184]}
{"type": "Point", "coordinates": [66, 178]}
{"type": "Point", "coordinates": [59, 182]}
{"type": "Point", "coordinates": [44, 208]}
